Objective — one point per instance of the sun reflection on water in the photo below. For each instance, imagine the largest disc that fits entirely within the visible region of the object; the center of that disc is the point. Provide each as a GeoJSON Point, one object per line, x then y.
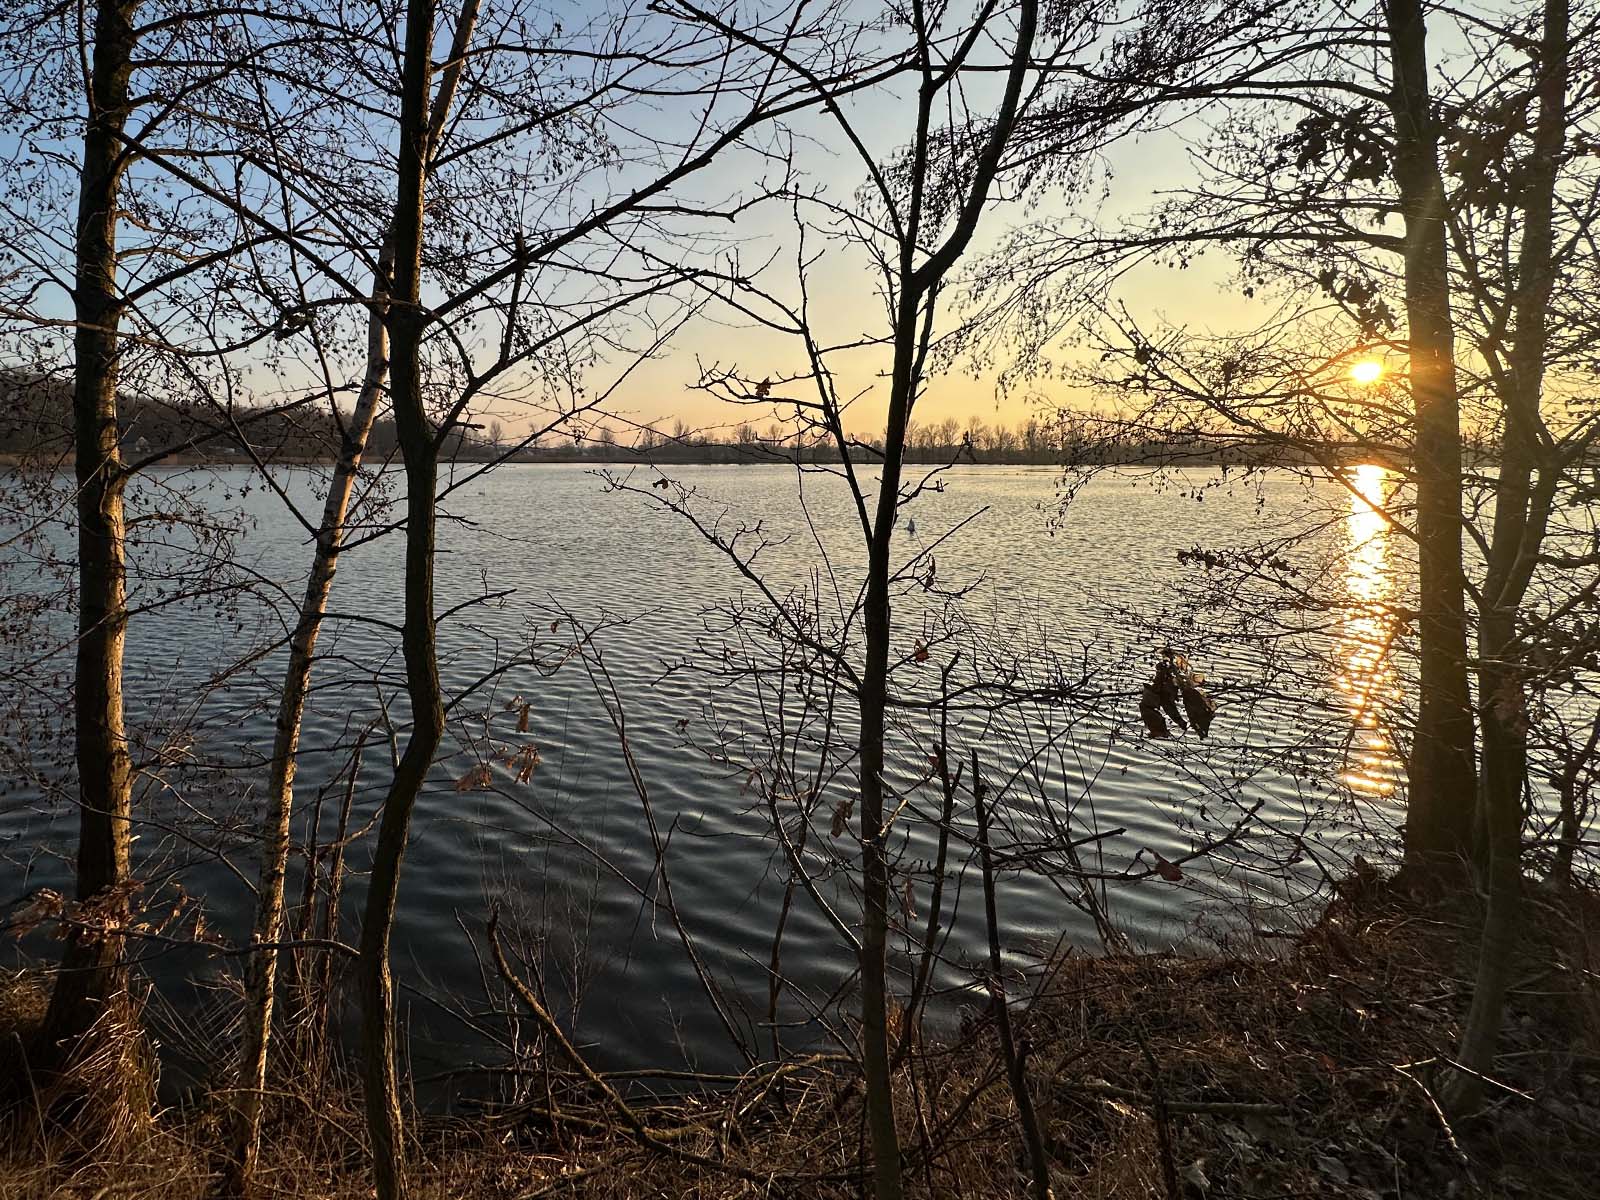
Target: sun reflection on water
{"type": "Point", "coordinates": [1367, 677]}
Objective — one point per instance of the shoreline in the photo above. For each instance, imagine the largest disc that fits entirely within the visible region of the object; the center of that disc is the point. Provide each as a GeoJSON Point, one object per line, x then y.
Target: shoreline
{"type": "Point", "coordinates": [1306, 1068]}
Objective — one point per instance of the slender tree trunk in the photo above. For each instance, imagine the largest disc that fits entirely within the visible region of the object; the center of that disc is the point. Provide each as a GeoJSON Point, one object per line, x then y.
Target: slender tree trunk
{"type": "Point", "coordinates": [429, 127]}
{"type": "Point", "coordinates": [261, 970]}
{"type": "Point", "coordinates": [875, 869]}
{"type": "Point", "coordinates": [1439, 820]}
{"type": "Point", "coordinates": [941, 858]}
{"type": "Point", "coordinates": [873, 700]}
{"type": "Point", "coordinates": [317, 1026]}
{"type": "Point", "coordinates": [1524, 492]}
{"type": "Point", "coordinates": [1504, 767]}
{"type": "Point", "coordinates": [1571, 826]}
{"type": "Point", "coordinates": [1016, 1066]}
{"type": "Point", "coordinates": [92, 969]}
{"type": "Point", "coordinates": [912, 323]}
{"type": "Point", "coordinates": [385, 1121]}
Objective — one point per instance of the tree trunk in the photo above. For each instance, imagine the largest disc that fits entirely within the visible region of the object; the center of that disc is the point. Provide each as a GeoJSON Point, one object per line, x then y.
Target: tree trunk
{"type": "Point", "coordinates": [385, 1122]}
{"type": "Point", "coordinates": [875, 870]}
{"type": "Point", "coordinates": [1440, 773]}
{"type": "Point", "coordinates": [92, 970]}
{"type": "Point", "coordinates": [261, 970]}
{"type": "Point", "coordinates": [1504, 766]}
{"type": "Point", "coordinates": [269, 915]}
{"type": "Point", "coordinates": [912, 323]}
{"type": "Point", "coordinates": [1572, 770]}
{"type": "Point", "coordinates": [1016, 1067]}
{"type": "Point", "coordinates": [1524, 492]}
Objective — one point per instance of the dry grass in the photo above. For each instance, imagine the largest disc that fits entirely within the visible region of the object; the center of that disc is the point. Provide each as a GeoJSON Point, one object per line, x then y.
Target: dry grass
{"type": "Point", "coordinates": [1309, 1074]}
{"type": "Point", "coordinates": [1343, 1038]}
{"type": "Point", "coordinates": [23, 1001]}
{"type": "Point", "coordinates": [96, 1109]}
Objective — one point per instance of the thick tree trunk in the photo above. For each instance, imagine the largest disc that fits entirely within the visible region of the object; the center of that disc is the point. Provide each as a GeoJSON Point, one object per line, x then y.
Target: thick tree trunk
{"type": "Point", "coordinates": [385, 1121]}
{"type": "Point", "coordinates": [1524, 492]}
{"type": "Point", "coordinates": [92, 971]}
{"type": "Point", "coordinates": [261, 970]}
{"type": "Point", "coordinates": [1441, 788]}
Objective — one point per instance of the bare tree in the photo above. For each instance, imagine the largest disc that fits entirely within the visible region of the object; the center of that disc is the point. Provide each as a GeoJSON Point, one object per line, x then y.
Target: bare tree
{"type": "Point", "coordinates": [1441, 773]}
{"type": "Point", "coordinates": [1296, 180]}
{"type": "Point", "coordinates": [1535, 464]}
{"type": "Point", "coordinates": [913, 221]}
{"type": "Point", "coordinates": [419, 638]}
{"type": "Point", "coordinates": [143, 258]}
{"type": "Point", "coordinates": [90, 970]}
{"type": "Point", "coordinates": [430, 398]}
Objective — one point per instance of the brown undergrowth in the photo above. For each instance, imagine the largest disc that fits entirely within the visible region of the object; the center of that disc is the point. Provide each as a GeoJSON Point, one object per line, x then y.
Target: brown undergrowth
{"type": "Point", "coordinates": [1312, 1072]}
{"type": "Point", "coordinates": [1316, 1074]}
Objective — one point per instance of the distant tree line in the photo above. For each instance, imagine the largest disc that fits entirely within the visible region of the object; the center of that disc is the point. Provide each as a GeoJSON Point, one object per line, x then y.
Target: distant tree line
{"type": "Point", "coordinates": [36, 426]}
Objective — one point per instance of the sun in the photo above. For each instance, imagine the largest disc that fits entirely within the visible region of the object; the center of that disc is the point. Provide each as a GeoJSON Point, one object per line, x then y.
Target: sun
{"type": "Point", "coordinates": [1366, 371]}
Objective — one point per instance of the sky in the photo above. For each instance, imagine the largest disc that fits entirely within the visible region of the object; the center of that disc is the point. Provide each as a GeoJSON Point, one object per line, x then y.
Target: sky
{"type": "Point", "coordinates": [844, 288]}
{"type": "Point", "coordinates": [1204, 297]}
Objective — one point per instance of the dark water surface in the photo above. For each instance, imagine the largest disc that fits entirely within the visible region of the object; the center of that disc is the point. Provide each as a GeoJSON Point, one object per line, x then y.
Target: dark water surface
{"type": "Point", "coordinates": [1312, 744]}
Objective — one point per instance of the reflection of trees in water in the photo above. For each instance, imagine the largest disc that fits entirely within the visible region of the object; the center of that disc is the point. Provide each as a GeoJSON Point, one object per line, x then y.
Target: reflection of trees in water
{"type": "Point", "coordinates": [1367, 677]}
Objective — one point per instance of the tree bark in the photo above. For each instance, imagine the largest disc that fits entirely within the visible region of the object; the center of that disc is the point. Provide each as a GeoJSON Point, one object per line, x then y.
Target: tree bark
{"type": "Point", "coordinates": [918, 288]}
{"type": "Point", "coordinates": [92, 969]}
{"type": "Point", "coordinates": [1440, 773]}
{"type": "Point", "coordinates": [261, 969]}
{"type": "Point", "coordinates": [1016, 1067]}
{"type": "Point", "coordinates": [1524, 492]}
{"type": "Point", "coordinates": [875, 869]}
{"type": "Point", "coordinates": [385, 1121]}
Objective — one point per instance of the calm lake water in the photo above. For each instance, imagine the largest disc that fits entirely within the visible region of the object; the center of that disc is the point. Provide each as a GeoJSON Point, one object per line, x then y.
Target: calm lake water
{"type": "Point", "coordinates": [1303, 727]}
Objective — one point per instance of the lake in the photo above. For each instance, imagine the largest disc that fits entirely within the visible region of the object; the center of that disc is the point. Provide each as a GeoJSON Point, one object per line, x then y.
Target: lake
{"type": "Point", "coordinates": [1079, 601]}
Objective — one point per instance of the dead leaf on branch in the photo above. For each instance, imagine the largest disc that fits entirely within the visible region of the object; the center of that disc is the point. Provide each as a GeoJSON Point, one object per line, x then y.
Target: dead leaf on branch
{"type": "Point", "coordinates": [524, 763]}
{"type": "Point", "coordinates": [1170, 871]}
{"type": "Point", "coordinates": [46, 904]}
{"type": "Point", "coordinates": [480, 778]}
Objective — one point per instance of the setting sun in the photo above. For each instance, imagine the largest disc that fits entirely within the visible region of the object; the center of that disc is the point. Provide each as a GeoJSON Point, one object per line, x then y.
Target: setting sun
{"type": "Point", "coordinates": [1366, 371]}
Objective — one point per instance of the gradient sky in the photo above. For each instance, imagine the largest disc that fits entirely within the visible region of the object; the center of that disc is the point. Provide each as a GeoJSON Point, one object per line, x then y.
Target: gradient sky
{"type": "Point", "coordinates": [1202, 297]}
{"type": "Point", "coordinates": [843, 285]}
{"type": "Point", "coordinates": [846, 304]}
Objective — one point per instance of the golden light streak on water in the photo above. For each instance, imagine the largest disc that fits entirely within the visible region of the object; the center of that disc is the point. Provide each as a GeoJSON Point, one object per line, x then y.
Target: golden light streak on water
{"type": "Point", "coordinates": [1367, 677]}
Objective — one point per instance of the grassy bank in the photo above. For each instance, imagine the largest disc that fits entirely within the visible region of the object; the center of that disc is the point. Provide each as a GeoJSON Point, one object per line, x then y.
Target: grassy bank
{"type": "Point", "coordinates": [1311, 1072]}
